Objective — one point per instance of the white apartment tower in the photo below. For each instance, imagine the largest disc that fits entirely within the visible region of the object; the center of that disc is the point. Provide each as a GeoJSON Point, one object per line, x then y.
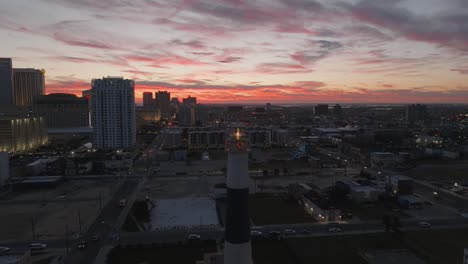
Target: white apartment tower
{"type": "Point", "coordinates": [113, 102]}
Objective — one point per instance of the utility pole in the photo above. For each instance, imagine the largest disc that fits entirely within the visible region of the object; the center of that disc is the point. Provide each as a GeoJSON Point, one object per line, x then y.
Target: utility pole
{"type": "Point", "coordinates": [79, 222]}
{"type": "Point", "coordinates": [33, 228]}
{"type": "Point", "coordinates": [100, 201]}
{"type": "Point", "coordinates": [66, 238]}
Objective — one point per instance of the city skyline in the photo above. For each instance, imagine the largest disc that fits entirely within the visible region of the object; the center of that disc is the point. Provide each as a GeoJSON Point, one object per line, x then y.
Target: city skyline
{"type": "Point", "coordinates": [234, 51]}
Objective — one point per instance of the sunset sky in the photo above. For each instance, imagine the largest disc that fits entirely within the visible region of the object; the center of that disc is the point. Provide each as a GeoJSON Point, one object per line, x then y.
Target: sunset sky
{"type": "Point", "coordinates": [247, 51]}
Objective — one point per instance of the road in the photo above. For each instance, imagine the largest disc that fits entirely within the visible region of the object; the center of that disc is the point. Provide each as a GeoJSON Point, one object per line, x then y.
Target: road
{"type": "Point", "coordinates": [316, 229]}
{"type": "Point", "coordinates": [103, 226]}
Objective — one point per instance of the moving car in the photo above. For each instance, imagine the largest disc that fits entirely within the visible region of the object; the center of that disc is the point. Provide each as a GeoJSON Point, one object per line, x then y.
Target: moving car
{"type": "Point", "coordinates": [289, 231]}
{"type": "Point", "coordinates": [83, 244]}
{"type": "Point", "coordinates": [255, 233]}
{"type": "Point", "coordinates": [275, 234]}
{"type": "Point", "coordinates": [37, 246]}
{"type": "Point", "coordinates": [122, 202]}
{"type": "Point", "coordinates": [4, 249]}
{"type": "Point", "coordinates": [194, 237]}
{"type": "Point", "coordinates": [424, 224]}
{"type": "Point", "coordinates": [334, 229]}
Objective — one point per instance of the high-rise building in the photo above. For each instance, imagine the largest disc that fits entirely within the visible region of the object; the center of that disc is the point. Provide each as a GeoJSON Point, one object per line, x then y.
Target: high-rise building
{"type": "Point", "coordinates": [190, 100]}
{"type": "Point", "coordinates": [4, 168]}
{"type": "Point", "coordinates": [148, 101]}
{"type": "Point", "coordinates": [321, 109]}
{"type": "Point", "coordinates": [21, 133]}
{"type": "Point", "coordinates": [62, 110]}
{"type": "Point", "coordinates": [337, 109]}
{"type": "Point", "coordinates": [87, 94]}
{"type": "Point", "coordinates": [113, 100]}
{"type": "Point", "coordinates": [163, 100]}
{"type": "Point", "coordinates": [27, 84]}
{"type": "Point", "coordinates": [6, 81]}
{"type": "Point", "coordinates": [415, 113]}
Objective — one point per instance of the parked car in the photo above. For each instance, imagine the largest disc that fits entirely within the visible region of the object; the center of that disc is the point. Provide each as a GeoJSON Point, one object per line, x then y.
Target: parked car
{"type": "Point", "coordinates": [95, 238]}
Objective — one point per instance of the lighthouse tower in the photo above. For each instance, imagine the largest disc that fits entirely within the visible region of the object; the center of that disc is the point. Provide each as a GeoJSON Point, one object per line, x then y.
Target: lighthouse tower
{"type": "Point", "coordinates": [237, 246]}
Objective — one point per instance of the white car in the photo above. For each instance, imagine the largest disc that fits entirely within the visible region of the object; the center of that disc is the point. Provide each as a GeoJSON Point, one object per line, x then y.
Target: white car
{"type": "Point", "coordinates": [37, 246]}
{"type": "Point", "coordinates": [334, 229]}
{"type": "Point", "coordinates": [194, 237]}
{"type": "Point", "coordinates": [4, 249]}
{"type": "Point", "coordinates": [424, 224]}
{"type": "Point", "coordinates": [255, 233]}
{"type": "Point", "coordinates": [289, 231]}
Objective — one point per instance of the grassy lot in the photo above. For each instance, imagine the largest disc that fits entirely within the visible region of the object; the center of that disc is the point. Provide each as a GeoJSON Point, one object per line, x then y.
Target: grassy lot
{"type": "Point", "coordinates": [174, 254]}
{"type": "Point", "coordinates": [433, 246]}
{"type": "Point", "coordinates": [271, 252]}
{"type": "Point", "coordinates": [340, 249]}
{"type": "Point", "coordinates": [440, 172]}
{"type": "Point", "coordinates": [267, 209]}
{"type": "Point", "coordinates": [372, 213]}
{"type": "Point", "coordinates": [440, 246]}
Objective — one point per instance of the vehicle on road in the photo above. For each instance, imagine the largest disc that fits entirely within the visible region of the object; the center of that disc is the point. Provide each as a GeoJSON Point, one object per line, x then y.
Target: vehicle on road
{"type": "Point", "coordinates": [305, 232]}
{"type": "Point", "coordinates": [255, 233]}
{"type": "Point", "coordinates": [37, 246]}
{"type": "Point", "coordinates": [95, 238]}
{"type": "Point", "coordinates": [275, 235]}
{"type": "Point", "coordinates": [122, 202]}
{"type": "Point", "coordinates": [193, 237]}
{"type": "Point", "coordinates": [83, 244]}
{"type": "Point", "coordinates": [334, 229]}
{"type": "Point", "coordinates": [289, 232]}
{"type": "Point", "coordinates": [4, 249]}
{"type": "Point", "coordinates": [424, 224]}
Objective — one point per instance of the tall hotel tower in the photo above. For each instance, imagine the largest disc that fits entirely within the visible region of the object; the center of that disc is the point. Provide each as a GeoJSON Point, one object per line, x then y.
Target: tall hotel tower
{"type": "Point", "coordinates": [28, 84]}
{"type": "Point", "coordinates": [113, 100]}
{"type": "Point", "coordinates": [237, 247]}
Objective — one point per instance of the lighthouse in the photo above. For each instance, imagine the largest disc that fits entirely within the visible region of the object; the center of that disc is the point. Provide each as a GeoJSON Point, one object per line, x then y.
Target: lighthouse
{"type": "Point", "coordinates": [237, 246]}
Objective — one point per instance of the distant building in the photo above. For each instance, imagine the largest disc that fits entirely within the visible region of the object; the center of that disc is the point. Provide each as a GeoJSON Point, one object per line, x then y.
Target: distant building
{"type": "Point", "coordinates": [4, 168]}
{"type": "Point", "coordinates": [337, 109]}
{"type": "Point", "coordinates": [27, 84]}
{"type": "Point", "coordinates": [163, 99]}
{"type": "Point", "coordinates": [384, 159]}
{"type": "Point", "coordinates": [148, 101]}
{"type": "Point", "coordinates": [415, 113]}
{"type": "Point", "coordinates": [22, 133]}
{"type": "Point", "coordinates": [87, 94]}
{"type": "Point", "coordinates": [321, 109]}
{"type": "Point", "coordinates": [172, 137]}
{"type": "Point", "coordinates": [62, 110]}
{"type": "Point", "coordinates": [190, 100]}
{"type": "Point", "coordinates": [113, 100]}
{"type": "Point", "coordinates": [203, 138]}
{"type": "Point", "coordinates": [175, 101]}
{"type": "Point", "coordinates": [258, 136]}
{"type": "Point", "coordinates": [6, 81]}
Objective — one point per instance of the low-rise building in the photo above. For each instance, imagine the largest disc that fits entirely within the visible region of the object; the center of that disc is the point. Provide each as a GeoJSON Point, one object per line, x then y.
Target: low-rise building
{"type": "Point", "coordinates": [384, 159]}
{"type": "Point", "coordinates": [4, 168]}
{"type": "Point", "coordinates": [22, 133]}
